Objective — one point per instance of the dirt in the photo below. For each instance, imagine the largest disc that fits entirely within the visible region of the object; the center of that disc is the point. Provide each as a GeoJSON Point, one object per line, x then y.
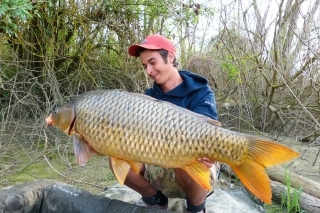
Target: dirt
{"type": "Point", "coordinates": [308, 164]}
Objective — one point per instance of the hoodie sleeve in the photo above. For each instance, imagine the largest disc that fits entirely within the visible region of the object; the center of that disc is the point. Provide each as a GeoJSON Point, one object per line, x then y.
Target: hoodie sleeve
{"type": "Point", "coordinates": [207, 106]}
{"type": "Point", "coordinates": [148, 92]}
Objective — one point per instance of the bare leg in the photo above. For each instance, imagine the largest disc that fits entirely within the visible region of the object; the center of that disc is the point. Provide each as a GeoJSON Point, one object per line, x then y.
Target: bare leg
{"type": "Point", "coordinates": [193, 190]}
{"type": "Point", "coordinates": [139, 184]}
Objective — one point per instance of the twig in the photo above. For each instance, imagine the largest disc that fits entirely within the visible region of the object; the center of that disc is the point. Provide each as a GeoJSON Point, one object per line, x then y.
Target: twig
{"type": "Point", "coordinates": [53, 167]}
{"type": "Point", "coordinates": [297, 99]}
{"type": "Point", "coordinates": [31, 162]}
{"type": "Point", "coordinates": [45, 141]}
{"type": "Point", "coordinates": [70, 179]}
{"type": "Point", "coordinates": [315, 160]}
{"type": "Point", "coordinates": [37, 157]}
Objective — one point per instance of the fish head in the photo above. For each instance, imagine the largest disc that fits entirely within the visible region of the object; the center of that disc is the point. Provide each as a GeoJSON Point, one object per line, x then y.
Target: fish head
{"type": "Point", "coordinates": [62, 117]}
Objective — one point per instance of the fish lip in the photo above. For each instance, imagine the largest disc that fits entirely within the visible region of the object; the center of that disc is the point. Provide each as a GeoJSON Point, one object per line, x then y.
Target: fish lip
{"type": "Point", "coordinates": [49, 120]}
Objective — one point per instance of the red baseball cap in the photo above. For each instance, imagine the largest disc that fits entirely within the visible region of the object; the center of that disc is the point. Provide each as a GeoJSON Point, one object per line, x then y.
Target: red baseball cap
{"type": "Point", "coordinates": [153, 42]}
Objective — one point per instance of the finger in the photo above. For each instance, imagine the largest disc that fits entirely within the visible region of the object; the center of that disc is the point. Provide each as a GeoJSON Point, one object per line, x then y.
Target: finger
{"type": "Point", "coordinates": [208, 160]}
{"type": "Point", "coordinates": [207, 164]}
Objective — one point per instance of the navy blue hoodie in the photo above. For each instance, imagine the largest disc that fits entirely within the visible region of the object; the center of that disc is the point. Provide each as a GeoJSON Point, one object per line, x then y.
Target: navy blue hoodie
{"type": "Point", "coordinates": [193, 94]}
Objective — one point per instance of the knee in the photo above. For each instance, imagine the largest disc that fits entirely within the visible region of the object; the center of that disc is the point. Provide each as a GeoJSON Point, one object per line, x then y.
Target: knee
{"type": "Point", "coordinates": [182, 177]}
{"type": "Point", "coordinates": [195, 193]}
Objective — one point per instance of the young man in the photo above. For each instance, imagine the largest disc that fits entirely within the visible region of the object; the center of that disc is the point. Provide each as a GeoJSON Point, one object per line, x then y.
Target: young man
{"type": "Point", "coordinates": [185, 89]}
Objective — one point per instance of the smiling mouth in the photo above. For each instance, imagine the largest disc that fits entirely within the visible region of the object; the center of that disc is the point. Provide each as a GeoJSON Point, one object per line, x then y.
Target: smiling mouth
{"type": "Point", "coordinates": [153, 77]}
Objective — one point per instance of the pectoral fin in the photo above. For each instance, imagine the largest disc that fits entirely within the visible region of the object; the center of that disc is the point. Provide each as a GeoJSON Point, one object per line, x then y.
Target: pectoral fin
{"type": "Point", "coordinates": [82, 149]}
{"type": "Point", "coordinates": [200, 173]}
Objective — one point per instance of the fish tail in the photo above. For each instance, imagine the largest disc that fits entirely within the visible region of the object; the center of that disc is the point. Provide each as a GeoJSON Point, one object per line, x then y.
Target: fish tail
{"type": "Point", "coordinates": [261, 154]}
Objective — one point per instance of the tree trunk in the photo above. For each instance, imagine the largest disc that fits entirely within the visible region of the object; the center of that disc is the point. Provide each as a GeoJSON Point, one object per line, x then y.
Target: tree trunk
{"type": "Point", "coordinates": [311, 187]}
{"type": "Point", "coordinates": [307, 202]}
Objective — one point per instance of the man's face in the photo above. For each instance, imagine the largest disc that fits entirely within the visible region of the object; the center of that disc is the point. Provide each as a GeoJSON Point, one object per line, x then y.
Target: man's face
{"type": "Point", "coordinates": [155, 67]}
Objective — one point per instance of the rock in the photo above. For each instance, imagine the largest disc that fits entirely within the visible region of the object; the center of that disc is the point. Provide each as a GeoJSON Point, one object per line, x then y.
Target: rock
{"type": "Point", "coordinates": [50, 196]}
{"type": "Point", "coordinates": [232, 185]}
{"type": "Point", "coordinates": [227, 201]}
{"type": "Point", "coordinates": [47, 196]}
{"type": "Point", "coordinates": [223, 182]}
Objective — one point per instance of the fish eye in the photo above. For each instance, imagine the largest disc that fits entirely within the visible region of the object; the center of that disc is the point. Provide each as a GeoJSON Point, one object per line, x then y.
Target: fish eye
{"type": "Point", "coordinates": [55, 111]}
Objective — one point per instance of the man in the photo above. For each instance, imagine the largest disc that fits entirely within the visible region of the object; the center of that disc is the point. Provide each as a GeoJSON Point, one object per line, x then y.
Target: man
{"type": "Point", "coordinates": [185, 89]}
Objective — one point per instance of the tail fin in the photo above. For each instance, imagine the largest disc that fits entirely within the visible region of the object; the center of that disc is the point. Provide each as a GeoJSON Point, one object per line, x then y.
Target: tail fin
{"type": "Point", "coordinates": [262, 153]}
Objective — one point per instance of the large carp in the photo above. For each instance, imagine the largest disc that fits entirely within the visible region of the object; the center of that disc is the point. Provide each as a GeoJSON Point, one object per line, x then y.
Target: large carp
{"type": "Point", "coordinates": [134, 128]}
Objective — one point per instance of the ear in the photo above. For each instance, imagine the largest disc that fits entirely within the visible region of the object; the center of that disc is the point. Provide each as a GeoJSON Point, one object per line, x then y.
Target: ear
{"type": "Point", "coordinates": [171, 57]}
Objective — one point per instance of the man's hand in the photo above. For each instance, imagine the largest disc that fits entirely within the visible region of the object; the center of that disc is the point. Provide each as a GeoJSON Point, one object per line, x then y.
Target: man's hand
{"type": "Point", "coordinates": [206, 161]}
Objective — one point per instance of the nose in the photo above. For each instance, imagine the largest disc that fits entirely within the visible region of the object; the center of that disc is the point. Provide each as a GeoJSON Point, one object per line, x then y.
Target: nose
{"type": "Point", "coordinates": [149, 69]}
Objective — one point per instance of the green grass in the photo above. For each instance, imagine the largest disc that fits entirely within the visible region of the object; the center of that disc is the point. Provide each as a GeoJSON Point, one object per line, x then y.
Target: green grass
{"type": "Point", "coordinates": [274, 208]}
{"type": "Point", "coordinates": [290, 198]}
{"type": "Point", "coordinates": [19, 165]}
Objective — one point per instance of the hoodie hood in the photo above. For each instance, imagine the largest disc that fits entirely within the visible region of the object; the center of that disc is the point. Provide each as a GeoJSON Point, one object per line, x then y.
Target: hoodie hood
{"type": "Point", "coordinates": [193, 94]}
{"type": "Point", "coordinates": [191, 83]}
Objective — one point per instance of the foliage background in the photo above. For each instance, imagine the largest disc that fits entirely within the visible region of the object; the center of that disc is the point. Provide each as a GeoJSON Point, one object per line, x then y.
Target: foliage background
{"type": "Point", "coordinates": [261, 59]}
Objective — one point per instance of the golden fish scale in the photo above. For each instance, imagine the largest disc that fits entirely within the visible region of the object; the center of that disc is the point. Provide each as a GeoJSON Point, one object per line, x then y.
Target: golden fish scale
{"type": "Point", "coordinates": [134, 128]}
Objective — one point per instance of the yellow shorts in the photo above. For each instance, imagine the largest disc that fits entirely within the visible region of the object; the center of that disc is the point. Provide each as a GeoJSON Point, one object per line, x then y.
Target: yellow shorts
{"type": "Point", "coordinates": [164, 180]}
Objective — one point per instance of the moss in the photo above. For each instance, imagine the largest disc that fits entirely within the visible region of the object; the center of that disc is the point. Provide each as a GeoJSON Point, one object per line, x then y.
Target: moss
{"type": "Point", "coordinates": [20, 165]}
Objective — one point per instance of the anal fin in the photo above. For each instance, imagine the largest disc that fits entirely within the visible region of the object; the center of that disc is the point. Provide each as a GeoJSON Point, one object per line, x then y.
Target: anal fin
{"type": "Point", "coordinates": [135, 167]}
{"type": "Point", "coordinates": [120, 168]}
{"type": "Point", "coordinates": [200, 173]}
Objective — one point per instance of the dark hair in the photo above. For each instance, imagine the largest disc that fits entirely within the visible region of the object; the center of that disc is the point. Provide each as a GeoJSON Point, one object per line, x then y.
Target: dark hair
{"type": "Point", "coordinates": [163, 53]}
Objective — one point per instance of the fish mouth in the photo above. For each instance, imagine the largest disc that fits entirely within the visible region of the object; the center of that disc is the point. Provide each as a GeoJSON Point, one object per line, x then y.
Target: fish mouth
{"type": "Point", "coordinates": [49, 120]}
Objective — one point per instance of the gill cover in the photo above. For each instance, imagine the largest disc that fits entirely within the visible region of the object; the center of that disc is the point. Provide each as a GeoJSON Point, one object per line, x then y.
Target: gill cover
{"type": "Point", "coordinates": [64, 117]}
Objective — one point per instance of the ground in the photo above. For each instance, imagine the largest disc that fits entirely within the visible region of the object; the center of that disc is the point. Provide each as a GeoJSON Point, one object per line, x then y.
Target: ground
{"type": "Point", "coordinates": [23, 162]}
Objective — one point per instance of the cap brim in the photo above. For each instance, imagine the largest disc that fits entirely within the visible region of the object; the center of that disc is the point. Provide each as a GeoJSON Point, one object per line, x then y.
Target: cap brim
{"type": "Point", "coordinates": [133, 49]}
